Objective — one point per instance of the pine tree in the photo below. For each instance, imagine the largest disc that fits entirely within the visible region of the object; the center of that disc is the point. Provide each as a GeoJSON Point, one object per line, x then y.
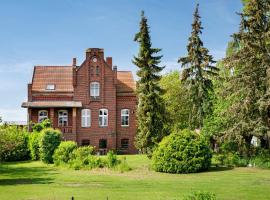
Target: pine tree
{"type": "Point", "coordinates": [250, 83]}
{"type": "Point", "coordinates": [197, 72]}
{"type": "Point", "coordinates": [150, 111]}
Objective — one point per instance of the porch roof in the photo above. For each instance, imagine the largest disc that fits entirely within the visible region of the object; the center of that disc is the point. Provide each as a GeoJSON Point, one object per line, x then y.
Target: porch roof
{"type": "Point", "coordinates": [52, 104]}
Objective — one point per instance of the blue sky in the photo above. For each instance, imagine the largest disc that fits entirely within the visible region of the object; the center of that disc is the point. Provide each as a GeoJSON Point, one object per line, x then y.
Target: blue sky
{"type": "Point", "coordinates": [53, 32]}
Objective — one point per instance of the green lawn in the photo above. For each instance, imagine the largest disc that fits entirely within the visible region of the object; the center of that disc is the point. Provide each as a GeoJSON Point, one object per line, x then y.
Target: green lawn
{"type": "Point", "coordinates": [34, 180]}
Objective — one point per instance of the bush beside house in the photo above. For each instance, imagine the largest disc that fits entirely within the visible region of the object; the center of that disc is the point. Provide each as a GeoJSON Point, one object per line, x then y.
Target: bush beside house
{"type": "Point", "coordinates": [13, 143]}
{"type": "Point", "coordinates": [49, 141]}
{"type": "Point", "coordinates": [182, 152]}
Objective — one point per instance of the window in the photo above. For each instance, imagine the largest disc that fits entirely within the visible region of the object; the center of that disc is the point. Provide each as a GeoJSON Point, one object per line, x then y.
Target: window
{"type": "Point", "coordinates": [86, 117]}
{"type": "Point", "coordinates": [63, 118]}
{"type": "Point", "coordinates": [42, 115]}
{"type": "Point", "coordinates": [85, 142]}
{"type": "Point", "coordinates": [103, 117]}
{"type": "Point", "coordinates": [124, 143]}
{"type": "Point", "coordinates": [97, 70]}
{"type": "Point", "coordinates": [92, 71]}
{"type": "Point", "coordinates": [94, 89]}
{"type": "Point", "coordinates": [102, 143]}
{"type": "Point", "coordinates": [50, 87]}
{"type": "Point", "coordinates": [125, 117]}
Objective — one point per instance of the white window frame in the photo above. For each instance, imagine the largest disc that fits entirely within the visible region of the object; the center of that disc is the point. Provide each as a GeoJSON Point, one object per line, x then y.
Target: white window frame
{"type": "Point", "coordinates": [50, 87]}
{"type": "Point", "coordinates": [94, 89]}
{"type": "Point", "coordinates": [65, 117]}
{"type": "Point", "coordinates": [43, 117]}
{"type": "Point", "coordinates": [103, 117]}
{"type": "Point", "coordinates": [86, 118]}
{"type": "Point", "coordinates": [123, 114]}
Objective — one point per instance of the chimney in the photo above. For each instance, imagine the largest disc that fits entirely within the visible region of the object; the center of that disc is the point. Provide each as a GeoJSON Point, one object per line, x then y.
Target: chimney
{"type": "Point", "coordinates": [115, 74]}
{"type": "Point", "coordinates": [74, 62]}
{"type": "Point", "coordinates": [109, 61]}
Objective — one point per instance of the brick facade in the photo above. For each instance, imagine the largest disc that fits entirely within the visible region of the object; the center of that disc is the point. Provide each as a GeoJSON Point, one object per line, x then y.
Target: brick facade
{"type": "Point", "coordinates": [72, 84]}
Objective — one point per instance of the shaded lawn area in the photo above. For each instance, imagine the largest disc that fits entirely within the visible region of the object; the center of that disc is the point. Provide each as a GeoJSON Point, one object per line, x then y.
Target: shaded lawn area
{"type": "Point", "coordinates": [35, 180]}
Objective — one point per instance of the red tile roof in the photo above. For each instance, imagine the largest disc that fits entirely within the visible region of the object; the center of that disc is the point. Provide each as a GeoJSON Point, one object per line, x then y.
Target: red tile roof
{"type": "Point", "coordinates": [125, 82]}
{"type": "Point", "coordinates": [60, 76]}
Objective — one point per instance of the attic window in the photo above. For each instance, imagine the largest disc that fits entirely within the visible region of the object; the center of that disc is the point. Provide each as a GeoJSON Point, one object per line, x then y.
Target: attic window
{"type": "Point", "coordinates": [50, 87]}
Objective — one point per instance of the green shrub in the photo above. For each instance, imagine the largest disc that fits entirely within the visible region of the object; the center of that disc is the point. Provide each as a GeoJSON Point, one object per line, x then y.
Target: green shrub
{"type": "Point", "coordinates": [262, 159]}
{"type": "Point", "coordinates": [82, 157]}
{"type": "Point", "coordinates": [201, 196]}
{"type": "Point", "coordinates": [182, 152]}
{"type": "Point", "coordinates": [38, 127]}
{"type": "Point", "coordinates": [49, 141]}
{"type": "Point", "coordinates": [111, 159]}
{"type": "Point", "coordinates": [13, 143]}
{"type": "Point", "coordinates": [63, 153]}
{"type": "Point", "coordinates": [33, 145]}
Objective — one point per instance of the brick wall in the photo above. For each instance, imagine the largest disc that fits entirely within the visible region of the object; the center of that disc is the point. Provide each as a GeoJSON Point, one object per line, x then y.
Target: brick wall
{"type": "Point", "coordinates": [82, 77]}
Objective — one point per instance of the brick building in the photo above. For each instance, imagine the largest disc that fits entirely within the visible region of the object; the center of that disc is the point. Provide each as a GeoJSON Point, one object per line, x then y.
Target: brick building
{"type": "Point", "coordinates": [91, 104]}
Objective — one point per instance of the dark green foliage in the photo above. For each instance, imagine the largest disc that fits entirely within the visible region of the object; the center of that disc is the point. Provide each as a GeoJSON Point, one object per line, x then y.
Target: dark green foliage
{"type": "Point", "coordinates": [13, 143]}
{"type": "Point", "coordinates": [150, 111]}
{"type": "Point", "coordinates": [249, 85]}
{"type": "Point", "coordinates": [38, 127]}
{"type": "Point", "coordinates": [182, 152]}
{"type": "Point", "coordinates": [201, 196]}
{"type": "Point", "coordinates": [63, 152]}
{"type": "Point", "coordinates": [49, 141]}
{"type": "Point", "coordinates": [33, 145]}
{"type": "Point", "coordinates": [197, 74]}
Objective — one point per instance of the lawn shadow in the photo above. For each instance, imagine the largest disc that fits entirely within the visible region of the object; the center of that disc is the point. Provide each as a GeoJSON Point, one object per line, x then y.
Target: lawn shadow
{"type": "Point", "coordinates": [219, 169]}
{"type": "Point", "coordinates": [11, 174]}
{"type": "Point", "coordinates": [24, 181]}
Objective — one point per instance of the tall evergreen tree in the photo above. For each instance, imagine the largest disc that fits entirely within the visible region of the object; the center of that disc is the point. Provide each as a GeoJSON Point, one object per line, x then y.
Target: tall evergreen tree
{"type": "Point", "coordinates": [197, 72]}
{"type": "Point", "coordinates": [150, 111]}
{"type": "Point", "coordinates": [250, 83]}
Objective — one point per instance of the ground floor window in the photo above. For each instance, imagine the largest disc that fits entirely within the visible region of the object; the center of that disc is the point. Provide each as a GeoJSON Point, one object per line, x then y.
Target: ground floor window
{"type": "Point", "coordinates": [63, 118]}
{"type": "Point", "coordinates": [124, 143]}
{"type": "Point", "coordinates": [42, 115]}
{"type": "Point", "coordinates": [102, 143]}
{"type": "Point", "coordinates": [85, 142]}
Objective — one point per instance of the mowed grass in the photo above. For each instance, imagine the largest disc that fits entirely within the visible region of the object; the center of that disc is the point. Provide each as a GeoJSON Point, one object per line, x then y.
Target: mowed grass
{"type": "Point", "coordinates": [35, 180]}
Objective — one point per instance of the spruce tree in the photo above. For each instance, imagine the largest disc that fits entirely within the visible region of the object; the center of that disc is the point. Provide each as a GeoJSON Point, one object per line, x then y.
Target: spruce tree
{"type": "Point", "coordinates": [150, 111]}
{"type": "Point", "coordinates": [197, 72]}
{"type": "Point", "coordinates": [249, 86]}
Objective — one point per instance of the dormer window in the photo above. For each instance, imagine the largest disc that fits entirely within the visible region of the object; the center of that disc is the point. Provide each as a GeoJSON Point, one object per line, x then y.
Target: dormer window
{"type": "Point", "coordinates": [94, 89]}
{"type": "Point", "coordinates": [50, 87]}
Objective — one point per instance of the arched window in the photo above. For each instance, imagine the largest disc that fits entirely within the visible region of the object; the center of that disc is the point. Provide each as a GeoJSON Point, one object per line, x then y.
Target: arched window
{"type": "Point", "coordinates": [125, 117]}
{"type": "Point", "coordinates": [94, 89]}
{"type": "Point", "coordinates": [42, 115]}
{"type": "Point", "coordinates": [103, 117]}
{"type": "Point", "coordinates": [86, 117]}
{"type": "Point", "coordinates": [62, 118]}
